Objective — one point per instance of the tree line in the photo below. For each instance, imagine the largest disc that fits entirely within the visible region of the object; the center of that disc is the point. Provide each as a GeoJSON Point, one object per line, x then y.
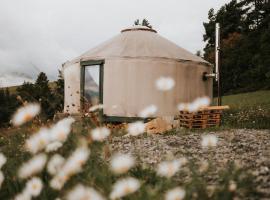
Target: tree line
{"type": "Point", "coordinates": [245, 44]}
{"type": "Point", "coordinates": [49, 95]}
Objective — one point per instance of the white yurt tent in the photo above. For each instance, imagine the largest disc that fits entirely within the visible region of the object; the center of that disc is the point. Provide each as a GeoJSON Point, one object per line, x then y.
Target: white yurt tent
{"type": "Point", "coordinates": [121, 74]}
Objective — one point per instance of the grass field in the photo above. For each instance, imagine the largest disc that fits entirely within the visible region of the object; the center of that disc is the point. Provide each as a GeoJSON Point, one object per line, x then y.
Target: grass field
{"type": "Point", "coordinates": [247, 100]}
{"type": "Point", "coordinates": [96, 172]}
{"type": "Point", "coordinates": [249, 110]}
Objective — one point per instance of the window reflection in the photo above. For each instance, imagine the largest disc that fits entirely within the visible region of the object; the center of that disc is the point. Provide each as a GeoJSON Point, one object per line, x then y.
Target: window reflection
{"type": "Point", "coordinates": [91, 85]}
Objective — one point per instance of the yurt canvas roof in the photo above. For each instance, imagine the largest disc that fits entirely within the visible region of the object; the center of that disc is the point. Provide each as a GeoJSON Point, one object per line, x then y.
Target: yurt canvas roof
{"type": "Point", "coordinates": [139, 42]}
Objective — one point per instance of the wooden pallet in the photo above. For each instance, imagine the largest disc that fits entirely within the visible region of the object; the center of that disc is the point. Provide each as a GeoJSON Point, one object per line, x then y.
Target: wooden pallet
{"type": "Point", "coordinates": [203, 112]}
{"type": "Point", "coordinates": [199, 116]}
{"type": "Point", "coordinates": [200, 121]}
{"type": "Point", "coordinates": [204, 118]}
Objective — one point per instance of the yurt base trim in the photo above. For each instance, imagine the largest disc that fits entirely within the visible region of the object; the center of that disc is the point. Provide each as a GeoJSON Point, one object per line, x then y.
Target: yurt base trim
{"type": "Point", "coordinates": [106, 118]}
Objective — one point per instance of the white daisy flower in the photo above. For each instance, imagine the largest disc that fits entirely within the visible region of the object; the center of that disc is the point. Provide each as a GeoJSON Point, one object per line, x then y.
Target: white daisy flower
{"type": "Point", "coordinates": [54, 146]}
{"type": "Point", "coordinates": [34, 186]}
{"type": "Point", "coordinates": [203, 102]}
{"type": "Point", "coordinates": [38, 141]}
{"type": "Point", "coordinates": [177, 193]}
{"type": "Point", "coordinates": [58, 181]}
{"type": "Point", "coordinates": [55, 164]}
{"type": "Point", "coordinates": [196, 105]}
{"type": "Point", "coordinates": [199, 103]}
{"type": "Point", "coordinates": [168, 168]}
{"type": "Point", "coordinates": [77, 159]}
{"type": "Point", "coordinates": [121, 163]}
{"type": "Point", "coordinates": [72, 166]}
{"type": "Point", "coordinates": [183, 161]}
{"type": "Point", "coordinates": [2, 178]}
{"type": "Point", "coordinates": [182, 106]}
{"type": "Point", "coordinates": [193, 107]}
{"type": "Point", "coordinates": [23, 196]}
{"type": "Point", "coordinates": [204, 166]}
{"type": "Point", "coordinates": [209, 141]}
{"type": "Point", "coordinates": [61, 130]}
{"type": "Point", "coordinates": [25, 114]}
{"type": "Point", "coordinates": [148, 111]}
{"type": "Point", "coordinates": [3, 160]}
{"type": "Point", "coordinates": [45, 138]}
{"type": "Point", "coordinates": [232, 186]}
{"type": "Point", "coordinates": [100, 134]}
{"type": "Point", "coordinates": [124, 187]}
{"type": "Point", "coordinates": [165, 83]}
{"type": "Point", "coordinates": [81, 192]}
{"type": "Point", "coordinates": [136, 128]}
{"type": "Point", "coordinates": [67, 121]}
{"type": "Point", "coordinates": [33, 166]}
{"type": "Point", "coordinates": [96, 107]}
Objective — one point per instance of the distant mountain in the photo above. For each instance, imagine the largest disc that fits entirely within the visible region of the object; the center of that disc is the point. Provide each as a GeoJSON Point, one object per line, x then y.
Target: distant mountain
{"type": "Point", "coordinates": [14, 79]}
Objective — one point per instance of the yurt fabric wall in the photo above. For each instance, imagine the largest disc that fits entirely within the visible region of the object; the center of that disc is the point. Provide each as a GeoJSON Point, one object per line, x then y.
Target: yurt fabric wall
{"type": "Point", "coordinates": [129, 89]}
{"type": "Point", "coordinates": [133, 60]}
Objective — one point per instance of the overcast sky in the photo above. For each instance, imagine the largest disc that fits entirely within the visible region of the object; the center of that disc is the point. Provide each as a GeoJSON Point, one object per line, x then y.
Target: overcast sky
{"type": "Point", "coordinates": [43, 34]}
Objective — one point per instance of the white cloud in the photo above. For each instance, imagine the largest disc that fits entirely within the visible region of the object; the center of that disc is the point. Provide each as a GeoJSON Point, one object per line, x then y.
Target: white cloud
{"type": "Point", "coordinates": [47, 33]}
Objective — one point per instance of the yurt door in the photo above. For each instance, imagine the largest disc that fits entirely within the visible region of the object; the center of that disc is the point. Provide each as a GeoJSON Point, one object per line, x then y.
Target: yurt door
{"type": "Point", "coordinates": [92, 84]}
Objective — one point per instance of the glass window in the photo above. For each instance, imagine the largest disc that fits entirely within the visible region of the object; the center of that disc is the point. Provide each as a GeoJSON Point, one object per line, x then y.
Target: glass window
{"type": "Point", "coordinates": [91, 85]}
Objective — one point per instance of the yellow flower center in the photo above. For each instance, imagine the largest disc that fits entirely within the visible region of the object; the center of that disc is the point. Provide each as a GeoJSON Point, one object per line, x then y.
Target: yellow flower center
{"type": "Point", "coordinates": [170, 170]}
{"type": "Point", "coordinates": [42, 142]}
{"type": "Point", "coordinates": [27, 117]}
{"type": "Point", "coordinates": [61, 135]}
{"type": "Point", "coordinates": [121, 169]}
{"type": "Point", "coordinates": [127, 190]}
{"type": "Point", "coordinates": [34, 186]}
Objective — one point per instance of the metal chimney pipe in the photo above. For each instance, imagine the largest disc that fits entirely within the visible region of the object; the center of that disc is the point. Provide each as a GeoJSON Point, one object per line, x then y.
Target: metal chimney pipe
{"type": "Point", "coordinates": [217, 70]}
{"type": "Point", "coordinates": [216, 74]}
{"type": "Point", "coordinates": [217, 50]}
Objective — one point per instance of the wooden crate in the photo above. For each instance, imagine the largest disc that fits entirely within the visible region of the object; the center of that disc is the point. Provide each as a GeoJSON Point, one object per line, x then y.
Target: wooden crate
{"type": "Point", "coordinates": [204, 118]}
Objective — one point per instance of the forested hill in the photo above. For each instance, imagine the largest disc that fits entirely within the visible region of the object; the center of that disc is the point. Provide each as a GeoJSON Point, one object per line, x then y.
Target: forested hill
{"type": "Point", "coordinates": [245, 43]}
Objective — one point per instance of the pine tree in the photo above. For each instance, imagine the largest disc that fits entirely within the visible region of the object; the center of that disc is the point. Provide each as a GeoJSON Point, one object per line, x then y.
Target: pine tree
{"type": "Point", "coordinates": [44, 95]}
{"type": "Point", "coordinates": [27, 91]}
{"type": "Point", "coordinates": [39, 92]}
{"type": "Point", "coordinates": [137, 22]}
{"type": "Point", "coordinates": [2, 96]}
{"type": "Point", "coordinates": [42, 86]}
{"type": "Point", "coordinates": [245, 55]}
{"type": "Point", "coordinates": [144, 22]}
{"type": "Point", "coordinates": [8, 105]}
{"type": "Point", "coordinates": [257, 11]}
{"type": "Point", "coordinates": [3, 108]}
{"type": "Point", "coordinates": [59, 93]}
